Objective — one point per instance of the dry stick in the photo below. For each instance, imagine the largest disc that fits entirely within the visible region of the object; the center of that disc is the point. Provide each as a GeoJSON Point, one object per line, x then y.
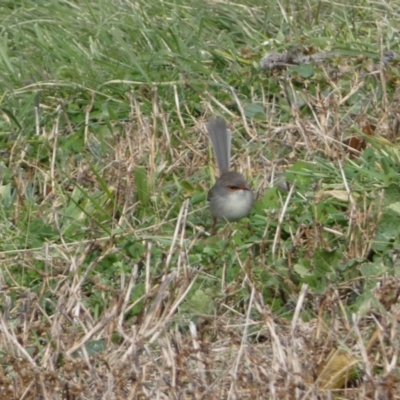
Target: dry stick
{"type": "Point", "coordinates": [24, 316]}
{"type": "Point", "coordinates": [10, 336]}
{"type": "Point", "coordinates": [219, 104]}
{"type": "Point", "coordinates": [333, 231]}
{"type": "Point", "coordinates": [100, 325]}
{"type": "Point", "coordinates": [133, 392]}
{"type": "Point", "coordinates": [37, 113]}
{"type": "Point", "coordinates": [382, 77]}
{"type": "Point", "coordinates": [381, 337]}
{"type": "Point", "coordinates": [167, 134]}
{"type": "Point", "coordinates": [210, 387]}
{"type": "Point", "coordinates": [54, 155]}
{"type": "Point", "coordinates": [85, 356]}
{"type": "Point", "coordinates": [6, 300]}
{"type": "Point", "coordinates": [394, 340]}
{"type": "Point", "coordinates": [153, 358]}
{"type": "Point", "coordinates": [156, 306]}
{"type": "Point", "coordinates": [129, 128]}
{"type": "Point", "coordinates": [131, 284]}
{"type": "Point", "coordinates": [132, 83]}
{"type": "Point", "coordinates": [352, 202]}
{"type": "Point", "coordinates": [177, 104]}
{"type": "Point", "coordinates": [294, 110]}
{"type": "Point", "coordinates": [78, 281]}
{"type": "Point", "coordinates": [244, 335]}
{"type": "Point", "coordinates": [363, 350]}
{"type": "Point", "coordinates": [377, 335]}
{"type": "Point", "coordinates": [49, 359]}
{"type": "Point", "coordinates": [170, 355]}
{"type": "Point", "coordinates": [148, 267]}
{"type": "Point", "coordinates": [281, 217]}
{"type": "Point", "coordinates": [156, 330]}
{"type": "Point", "coordinates": [68, 120]}
{"type": "Point", "coordinates": [133, 347]}
{"type": "Point", "coordinates": [242, 113]}
{"type": "Point", "coordinates": [87, 118]}
{"type": "Point", "coordinates": [61, 236]}
{"type": "Point", "coordinates": [199, 355]}
{"type": "Point", "coordinates": [33, 382]}
{"type": "Point", "coordinates": [299, 306]}
{"type": "Point", "coordinates": [136, 111]}
{"type": "Point", "coordinates": [154, 140]}
{"type": "Point", "coordinates": [317, 118]}
{"type": "Point", "coordinates": [341, 306]}
{"type": "Point", "coordinates": [276, 343]}
{"type": "Point", "coordinates": [182, 254]}
{"type": "Point", "coordinates": [176, 232]}
{"type": "Point", "coordinates": [292, 354]}
{"type": "Point", "coordinates": [353, 90]}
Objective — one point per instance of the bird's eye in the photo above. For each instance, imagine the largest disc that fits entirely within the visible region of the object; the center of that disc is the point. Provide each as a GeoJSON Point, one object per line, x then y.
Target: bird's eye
{"type": "Point", "coordinates": [231, 187]}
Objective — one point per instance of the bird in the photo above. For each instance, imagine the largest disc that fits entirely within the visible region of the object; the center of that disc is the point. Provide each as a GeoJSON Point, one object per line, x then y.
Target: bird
{"type": "Point", "coordinates": [231, 197]}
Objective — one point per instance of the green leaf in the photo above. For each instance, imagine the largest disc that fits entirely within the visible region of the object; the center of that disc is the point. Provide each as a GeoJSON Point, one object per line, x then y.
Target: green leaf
{"type": "Point", "coordinates": [301, 172]}
{"type": "Point", "coordinates": [395, 207]}
{"type": "Point", "coordinates": [304, 70]}
{"type": "Point", "coordinates": [373, 269]}
{"type": "Point", "coordinates": [201, 303]}
{"type": "Point", "coordinates": [252, 110]}
{"type": "Point", "coordinates": [392, 194]}
{"type": "Point", "coordinates": [142, 186]}
{"type": "Point", "coordinates": [326, 261]}
{"type": "Point", "coordinates": [270, 199]}
{"type": "Point", "coordinates": [10, 115]}
{"type": "Point", "coordinates": [302, 270]}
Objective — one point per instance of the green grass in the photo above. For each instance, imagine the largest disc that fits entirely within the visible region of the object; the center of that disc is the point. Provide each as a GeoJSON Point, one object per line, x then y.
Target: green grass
{"type": "Point", "coordinates": [111, 283]}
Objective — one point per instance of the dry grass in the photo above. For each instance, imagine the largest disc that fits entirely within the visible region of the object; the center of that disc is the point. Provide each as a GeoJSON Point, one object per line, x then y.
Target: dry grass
{"type": "Point", "coordinates": [165, 355]}
{"type": "Point", "coordinates": [55, 347]}
{"type": "Point", "coordinates": [130, 296]}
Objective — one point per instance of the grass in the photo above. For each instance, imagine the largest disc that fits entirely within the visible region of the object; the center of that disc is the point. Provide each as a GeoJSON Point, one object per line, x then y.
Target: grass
{"type": "Point", "coordinates": [112, 285]}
